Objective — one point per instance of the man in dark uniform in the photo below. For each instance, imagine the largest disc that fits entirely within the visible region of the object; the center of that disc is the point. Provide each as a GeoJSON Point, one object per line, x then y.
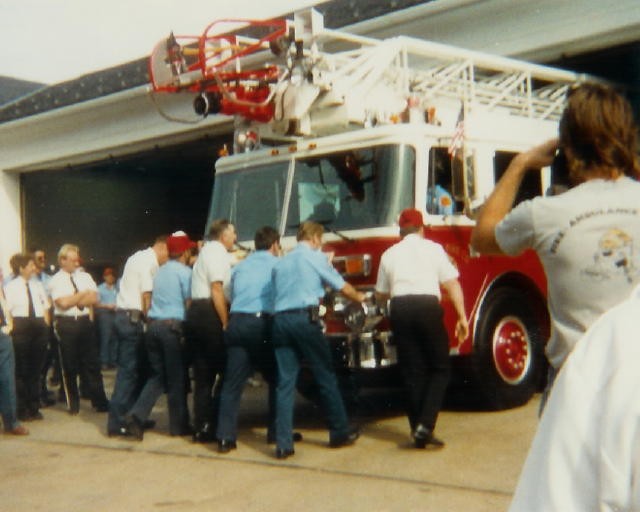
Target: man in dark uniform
{"type": "Point", "coordinates": [132, 303]}
{"type": "Point", "coordinates": [411, 273]}
{"type": "Point", "coordinates": [299, 280]}
{"type": "Point", "coordinates": [74, 292]}
{"type": "Point", "coordinates": [248, 335]}
{"type": "Point", "coordinates": [164, 342]}
{"type": "Point", "coordinates": [207, 318]}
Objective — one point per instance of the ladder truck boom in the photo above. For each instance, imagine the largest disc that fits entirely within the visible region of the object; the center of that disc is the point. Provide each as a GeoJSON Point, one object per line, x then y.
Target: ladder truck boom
{"type": "Point", "coordinates": [302, 79]}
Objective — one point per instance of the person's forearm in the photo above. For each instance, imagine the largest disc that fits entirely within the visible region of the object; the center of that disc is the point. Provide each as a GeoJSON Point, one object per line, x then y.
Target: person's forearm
{"type": "Point", "coordinates": [220, 303]}
{"type": "Point", "coordinates": [146, 302]}
{"type": "Point", "coordinates": [457, 297]}
{"type": "Point", "coordinates": [499, 203]}
{"type": "Point", "coordinates": [88, 298]}
{"type": "Point", "coordinates": [351, 293]}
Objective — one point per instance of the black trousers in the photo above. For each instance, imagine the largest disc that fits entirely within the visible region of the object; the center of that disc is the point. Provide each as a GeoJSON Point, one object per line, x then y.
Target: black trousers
{"type": "Point", "coordinates": [423, 355]}
{"type": "Point", "coordinates": [30, 337]}
{"type": "Point", "coordinates": [204, 336]}
{"type": "Point", "coordinates": [79, 351]}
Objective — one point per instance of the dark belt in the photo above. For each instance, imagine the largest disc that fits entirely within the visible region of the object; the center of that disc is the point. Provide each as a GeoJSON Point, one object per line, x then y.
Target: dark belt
{"type": "Point", "coordinates": [166, 321]}
{"type": "Point", "coordinates": [71, 318]}
{"type": "Point", "coordinates": [259, 314]}
{"type": "Point", "coordinates": [295, 311]}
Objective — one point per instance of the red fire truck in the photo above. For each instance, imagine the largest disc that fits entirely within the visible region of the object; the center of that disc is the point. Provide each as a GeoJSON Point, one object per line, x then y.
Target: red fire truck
{"type": "Point", "coordinates": [348, 131]}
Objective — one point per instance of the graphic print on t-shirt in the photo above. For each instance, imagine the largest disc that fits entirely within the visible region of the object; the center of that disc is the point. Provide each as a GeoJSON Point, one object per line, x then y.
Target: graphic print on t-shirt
{"type": "Point", "coordinates": [613, 257]}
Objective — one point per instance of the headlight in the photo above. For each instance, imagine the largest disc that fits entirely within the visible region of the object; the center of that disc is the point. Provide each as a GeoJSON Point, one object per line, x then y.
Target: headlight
{"type": "Point", "coordinates": [362, 317]}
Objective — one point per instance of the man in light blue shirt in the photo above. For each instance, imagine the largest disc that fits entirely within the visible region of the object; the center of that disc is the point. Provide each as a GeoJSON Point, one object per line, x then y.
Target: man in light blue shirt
{"type": "Point", "coordinates": [169, 298]}
{"type": "Point", "coordinates": [105, 311]}
{"type": "Point", "coordinates": [299, 280]}
{"type": "Point", "coordinates": [248, 334]}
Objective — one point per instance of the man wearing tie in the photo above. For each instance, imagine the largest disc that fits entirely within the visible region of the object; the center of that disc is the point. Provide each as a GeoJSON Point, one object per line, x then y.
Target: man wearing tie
{"type": "Point", "coordinates": [74, 292]}
{"type": "Point", "coordinates": [28, 305]}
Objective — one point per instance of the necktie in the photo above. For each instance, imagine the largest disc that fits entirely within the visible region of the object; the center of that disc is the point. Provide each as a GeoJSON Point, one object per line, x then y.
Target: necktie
{"type": "Point", "coordinates": [32, 311]}
{"type": "Point", "coordinates": [75, 289]}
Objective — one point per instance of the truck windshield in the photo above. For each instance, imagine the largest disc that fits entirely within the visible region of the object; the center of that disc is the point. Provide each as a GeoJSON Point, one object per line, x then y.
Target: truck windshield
{"type": "Point", "coordinates": [354, 189]}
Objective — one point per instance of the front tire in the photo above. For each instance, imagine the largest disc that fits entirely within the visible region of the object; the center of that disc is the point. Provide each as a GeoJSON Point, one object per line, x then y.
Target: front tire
{"type": "Point", "coordinates": [508, 357]}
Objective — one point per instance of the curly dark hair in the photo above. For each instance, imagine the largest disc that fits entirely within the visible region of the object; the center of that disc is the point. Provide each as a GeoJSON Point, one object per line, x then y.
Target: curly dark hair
{"type": "Point", "coordinates": [598, 133]}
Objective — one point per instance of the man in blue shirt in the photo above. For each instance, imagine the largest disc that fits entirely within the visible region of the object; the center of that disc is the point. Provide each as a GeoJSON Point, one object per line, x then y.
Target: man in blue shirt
{"type": "Point", "coordinates": [169, 298]}
{"type": "Point", "coordinates": [299, 280]}
{"type": "Point", "coordinates": [105, 311]}
{"type": "Point", "coordinates": [248, 335]}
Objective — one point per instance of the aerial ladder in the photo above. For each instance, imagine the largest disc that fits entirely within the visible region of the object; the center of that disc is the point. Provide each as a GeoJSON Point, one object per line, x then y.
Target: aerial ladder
{"type": "Point", "coordinates": [298, 78]}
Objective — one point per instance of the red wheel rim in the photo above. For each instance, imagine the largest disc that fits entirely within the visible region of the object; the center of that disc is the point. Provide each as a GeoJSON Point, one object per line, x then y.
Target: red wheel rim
{"type": "Point", "coordinates": [511, 350]}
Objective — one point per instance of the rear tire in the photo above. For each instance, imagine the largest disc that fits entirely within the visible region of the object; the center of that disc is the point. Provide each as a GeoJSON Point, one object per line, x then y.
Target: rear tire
{"type": "Point", "coordinates": [508, 354]}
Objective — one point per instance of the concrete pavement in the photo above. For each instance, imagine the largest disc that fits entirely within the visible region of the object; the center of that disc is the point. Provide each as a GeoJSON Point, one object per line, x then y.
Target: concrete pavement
{"type": "Point", "coordinates": [69, 464]}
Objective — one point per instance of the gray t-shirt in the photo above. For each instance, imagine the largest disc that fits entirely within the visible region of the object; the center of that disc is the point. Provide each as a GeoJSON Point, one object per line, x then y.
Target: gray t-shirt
{"type": "Point", "coordinates": [588, 240]}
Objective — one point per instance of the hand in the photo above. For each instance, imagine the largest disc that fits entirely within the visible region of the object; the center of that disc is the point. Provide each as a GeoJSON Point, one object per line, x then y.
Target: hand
{"type": "Point", "coordinates": [539, 156]}
{"type": "Point", "coordinates": [462, 329]}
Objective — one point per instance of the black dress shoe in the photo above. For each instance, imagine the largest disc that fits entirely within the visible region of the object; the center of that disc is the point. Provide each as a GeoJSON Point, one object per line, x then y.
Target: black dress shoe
{"type": "Point", "coordinates": [133, 426]}
{"type": "Point", "coordinates": [205, 435]}
{"type": "Point", "coordinates": [184, 431]}
{"type": "Point", "coordinates": [226, 445]}
{"type": "Point", "coordinates": [424, 438]}
{"type": "Point", "coordinates": [297, 437]}
{"type": "Point", "coordinates": [47, 399]}
{"type": "Point", "coordinates": [74, 408]}
{"type": "Point", "coordinates": [281, 453]}
{"type": "Point", "coordinates": [346, 440]}
{"type": "Point", "coordinates": [102, 407]}
{"type": "Point", "coordinates": [150, 425]}
{"type": "Point", "coordinates": [120, 432]}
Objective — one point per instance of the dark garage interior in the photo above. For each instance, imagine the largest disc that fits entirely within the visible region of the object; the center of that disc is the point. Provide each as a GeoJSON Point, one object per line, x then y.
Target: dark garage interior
{"type": "Point", "coordinates": [113, 208]}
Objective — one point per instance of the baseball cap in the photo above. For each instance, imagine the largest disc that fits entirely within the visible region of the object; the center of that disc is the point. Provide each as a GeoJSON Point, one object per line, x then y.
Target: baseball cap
{"type": "Point", "coordinates": [410, 217]}
{"type": "Point", "coordinates": [179, 242]}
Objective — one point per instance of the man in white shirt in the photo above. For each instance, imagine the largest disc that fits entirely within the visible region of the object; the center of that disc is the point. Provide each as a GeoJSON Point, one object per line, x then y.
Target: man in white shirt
{"type": "Point", "coordinates": [28, 305]}
{"type": "Point", "coordinates": [586, 452]}
{"type": "Point", "coordinates": [74, 292]}
{"type": "Point", "coordinates": [411, 273]}
{"type": "Point", "coordinates": [207, 319]}
{"type": "Point", "coordinates": [132, 304]}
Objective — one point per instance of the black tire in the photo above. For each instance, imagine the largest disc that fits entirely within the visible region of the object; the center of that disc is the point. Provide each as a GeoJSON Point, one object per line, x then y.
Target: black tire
{"type": "Point", "coordinates": [508, 353]}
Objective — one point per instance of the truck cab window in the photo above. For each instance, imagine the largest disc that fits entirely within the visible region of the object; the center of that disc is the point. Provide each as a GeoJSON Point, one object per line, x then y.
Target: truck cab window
{"type": "Point", "coordinates": [439, 180]}
{"type": "Point", "coordinates": [531, 185]}
{"type": "Point", "coordinates": [353, 189]}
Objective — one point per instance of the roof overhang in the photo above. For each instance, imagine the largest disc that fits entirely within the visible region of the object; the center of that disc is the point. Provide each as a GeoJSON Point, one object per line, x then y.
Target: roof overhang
{"type": "Point", "coordinates": [107, 127]}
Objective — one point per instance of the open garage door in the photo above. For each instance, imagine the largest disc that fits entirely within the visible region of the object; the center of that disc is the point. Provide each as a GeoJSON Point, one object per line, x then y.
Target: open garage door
{"type": "Point", "coordinates": [110, 209]}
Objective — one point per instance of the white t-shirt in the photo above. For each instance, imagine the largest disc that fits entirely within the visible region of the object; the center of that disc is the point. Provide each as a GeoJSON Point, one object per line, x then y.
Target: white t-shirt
{"type": "Point", "coordinates": [137, 278]}
{"type": "Point", "coordinates": [213, 265]}
{"type": "Point", "coordinates": [586, 453]}
{"type": "Point", "coordinates": [414, 266]}
{"type": "Point", "coordinates": [61, 286]}
{"type": "Point", "coordinates": [588, 240]}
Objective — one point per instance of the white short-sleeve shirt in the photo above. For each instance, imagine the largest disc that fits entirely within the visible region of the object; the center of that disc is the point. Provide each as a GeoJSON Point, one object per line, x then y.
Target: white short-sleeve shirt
{"type": "Point", "coordinates": [213, 265]}
{"type": "Point", "coordinates": [414, 266]}
{"type": "Point", "coordinates": [61, 286]}
{"type": "Point", "coordinates": [137, 278]}
{"type": "Point", "coordinates": [18, 300]}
